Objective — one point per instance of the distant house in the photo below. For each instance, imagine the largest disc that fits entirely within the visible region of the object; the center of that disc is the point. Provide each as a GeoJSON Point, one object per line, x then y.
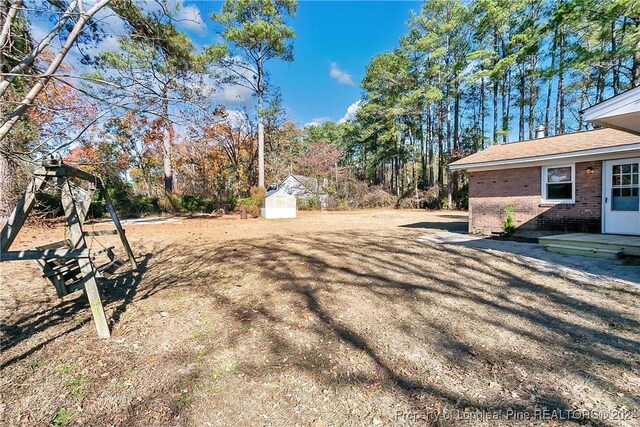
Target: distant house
{"type": "Point", "coordinates": [305, 188]}
{"type": "Point", "coordinates": [584, 181]}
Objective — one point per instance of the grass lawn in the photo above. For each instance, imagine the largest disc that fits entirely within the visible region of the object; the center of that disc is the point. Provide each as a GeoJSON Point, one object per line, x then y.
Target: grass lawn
{"type": "Point", "coordinates": [329, 319]}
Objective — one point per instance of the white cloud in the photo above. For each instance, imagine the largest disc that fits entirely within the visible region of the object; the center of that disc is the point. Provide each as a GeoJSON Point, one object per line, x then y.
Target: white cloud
{"type": "Point", "coordinates": [190, 19]}
{"type": "Point", "coordinates": [340, 76]}
{"type": "Point", "coordinates": [351, 112]}
{"type": "Point", "coordinates": [317, 121]}
{"type": "Point", "coordinates": [231, 94]}
{"type": "Point", "coordinates": [234, 95]}
{"type": "Point", "coordinates": [237, 118]}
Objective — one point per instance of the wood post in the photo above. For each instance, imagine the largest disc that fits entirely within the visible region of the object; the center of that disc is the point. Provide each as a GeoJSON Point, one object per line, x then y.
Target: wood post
{"type": "Point", "coordinates": [116, 222]}
{"type": "Point", "coordinates": [20, 213]}
{"type": "Point", "coordinates": [86, 267]}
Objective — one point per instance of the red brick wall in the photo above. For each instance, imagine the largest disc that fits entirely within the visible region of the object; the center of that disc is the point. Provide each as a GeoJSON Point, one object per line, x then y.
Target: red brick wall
{"type": "Point", "coordinates": [491, 191]}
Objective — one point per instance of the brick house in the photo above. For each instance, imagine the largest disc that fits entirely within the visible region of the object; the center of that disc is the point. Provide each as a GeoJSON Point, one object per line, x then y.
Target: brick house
{"type": "Point", "coordinates": [584, 181]}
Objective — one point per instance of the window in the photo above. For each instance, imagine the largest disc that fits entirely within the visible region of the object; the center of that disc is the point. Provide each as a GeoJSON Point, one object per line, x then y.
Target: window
{"type": "Point", "coordinates": [625, 187]}
{"type": "Point", "coordinates": [558, 184]}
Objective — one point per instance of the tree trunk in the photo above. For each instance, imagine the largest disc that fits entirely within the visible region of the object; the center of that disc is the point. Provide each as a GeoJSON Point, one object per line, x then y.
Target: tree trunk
{"type": "Point", "coordinates": [7, 166]}
{"type": "Point", "coordinates": [441, 147]}
{"type": "Point", "coordinates": [482, 113]}
{"type": "Point", "coordinates": [506, 104]}
{"type": "Point", "coordinates": [616, 68]}
{"type": "Point", "coordinates": [635, 68]}
{"type": "Point", "coordinates": [423, 153]}
{"type": "Point", "coordinates": [7, 181]}
{"type": "Point", "coordinates": [521, 103]}
{"type": "Point", "coordinates": [560, 98]}
{"type": "Point", "coordinates": [456, 114]}
{"type": "Point", "coordinates": [430, 122]}
{"type": "Point", "coordinates": [533, 97]}
{"type": "Point", "coordinates": [547, 121]}
{"type": "Point", "coordinates": [167, 145]}
{"type": "Point", "coordinates": [260, 143]}
{"type": "Point", "coordinates": [495, 111]}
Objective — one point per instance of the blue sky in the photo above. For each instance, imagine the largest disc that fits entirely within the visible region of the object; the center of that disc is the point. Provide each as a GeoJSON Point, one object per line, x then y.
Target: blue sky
{"type": "Point", "coordinates": [335, 41]}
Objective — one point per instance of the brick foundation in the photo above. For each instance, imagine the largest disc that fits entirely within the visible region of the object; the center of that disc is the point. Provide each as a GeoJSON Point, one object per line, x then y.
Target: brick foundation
{"type": "Point", "coordinates": [491, 191]}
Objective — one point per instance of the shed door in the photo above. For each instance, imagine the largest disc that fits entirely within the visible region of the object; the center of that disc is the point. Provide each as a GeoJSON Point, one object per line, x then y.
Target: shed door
{"type": "Point", "coordinates": [621, 198]}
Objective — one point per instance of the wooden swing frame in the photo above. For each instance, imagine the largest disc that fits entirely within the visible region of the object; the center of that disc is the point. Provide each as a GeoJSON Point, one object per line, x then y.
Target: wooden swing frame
{"type": "Point", "coordinates": [53, 256]}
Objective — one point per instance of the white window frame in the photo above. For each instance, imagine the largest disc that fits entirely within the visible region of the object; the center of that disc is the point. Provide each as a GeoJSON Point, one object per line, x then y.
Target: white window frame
{"type": "Point", "coordinates": [544, 184]}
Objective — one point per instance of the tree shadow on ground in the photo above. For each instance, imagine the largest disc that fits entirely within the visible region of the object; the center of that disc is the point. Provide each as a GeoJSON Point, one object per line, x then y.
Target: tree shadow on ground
{"type": "Point", "coordinates": [479, 289]}
{"type": "Point", "coordinates": [452, 227]}
{"type": "Point", "coordinates": [436, 326]}
{"type": "Point", "coordinates": [554, 264]}
{"type": "Point", "coordinates": [121, 289]}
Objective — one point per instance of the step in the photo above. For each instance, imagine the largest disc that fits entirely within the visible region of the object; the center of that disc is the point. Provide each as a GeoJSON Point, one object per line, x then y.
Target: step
{"type": "Point", "coordinates": [624, 247]}
{"type": "Point", "coordinates": [582, 250]}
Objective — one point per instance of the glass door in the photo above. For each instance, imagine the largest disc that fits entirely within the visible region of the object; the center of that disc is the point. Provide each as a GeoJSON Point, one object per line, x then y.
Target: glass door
{"type": "Point", "coordinates": [621, 198]}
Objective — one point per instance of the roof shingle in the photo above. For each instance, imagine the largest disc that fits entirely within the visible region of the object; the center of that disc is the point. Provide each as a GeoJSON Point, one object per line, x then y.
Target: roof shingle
{"type": "Point", "coordinates": [549, 146]}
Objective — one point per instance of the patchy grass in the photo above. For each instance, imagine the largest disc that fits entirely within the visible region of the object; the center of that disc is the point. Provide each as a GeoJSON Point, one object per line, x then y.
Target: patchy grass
{"type": "Point", "coordinates": [330, 319]}
{"type": "Point", "coordinates": [63, 417]}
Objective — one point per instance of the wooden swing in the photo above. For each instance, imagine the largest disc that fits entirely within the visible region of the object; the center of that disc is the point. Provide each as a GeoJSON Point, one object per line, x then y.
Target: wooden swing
{"type": "Point", "coordinates": [69, 264]}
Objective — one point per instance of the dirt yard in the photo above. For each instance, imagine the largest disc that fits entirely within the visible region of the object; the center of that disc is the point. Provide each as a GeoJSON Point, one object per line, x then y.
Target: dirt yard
{"type": "Point", "coordinates": [327, 320]}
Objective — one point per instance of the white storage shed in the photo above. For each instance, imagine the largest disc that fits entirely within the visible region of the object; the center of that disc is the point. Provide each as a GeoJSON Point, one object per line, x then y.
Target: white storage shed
{"type": "Point", "coordinates": [279, 204]}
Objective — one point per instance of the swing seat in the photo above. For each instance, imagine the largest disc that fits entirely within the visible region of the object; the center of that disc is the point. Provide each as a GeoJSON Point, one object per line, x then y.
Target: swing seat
{"type": "Point", "coordinates": [65, 274]}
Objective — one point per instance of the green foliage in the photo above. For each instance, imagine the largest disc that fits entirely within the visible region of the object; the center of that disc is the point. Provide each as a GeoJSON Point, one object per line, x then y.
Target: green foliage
{"type": "Point", "coordinates": [181, 400]}
{"type": "Point", "coordinates": [192, 204]}
{"type": "Point", "coordinates": [63, 417]}
{"type": "Point", "coordinates": [253, 203]}
{"type": "Point", "coordinates": [462, 201]}
{"type": "Point", "coordinates": [257, 27]}
{"type": "Point", "coordinates": [509, 226]}
{"type": "Point", "coordinates": [309, 204]}
{"type": "Point", "coordinates": [169, 202]}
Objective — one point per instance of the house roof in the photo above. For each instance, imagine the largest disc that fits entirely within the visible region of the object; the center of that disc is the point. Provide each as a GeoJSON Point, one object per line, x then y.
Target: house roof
{"type": "Point", "coordinates": [578, 144]}
{"type": "Point", "coordinates": [276, 191]}
{"type": "Point", "coordinates": [619, 112]}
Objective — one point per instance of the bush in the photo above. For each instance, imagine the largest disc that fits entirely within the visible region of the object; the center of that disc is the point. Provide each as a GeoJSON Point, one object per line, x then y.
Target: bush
{"type": "Point", "coordinates": [427, 199]}
{"type": "Point", "coordinates": [378, 198]}
{"type": "Point", "coordinates": [463, 197]}
{"type": "Point", "coordinates": [248, 204]}
{"type": "Point", "coordinates": [169, 203]}
{"type": "Point", "coordinates": [258, 195]}
{"type": "Point", "coordinates": [121, 195]}
{"type": "Point", "coordinates": [148, 205]}
{"type": "Point", "coordinates": [194, 204]}
{"type": "Point", "coordinates": [309, 204]}
{"type": "Point", "coordinates": [126, 203]}
{"type": "Point", "coordinates": [509, 225]}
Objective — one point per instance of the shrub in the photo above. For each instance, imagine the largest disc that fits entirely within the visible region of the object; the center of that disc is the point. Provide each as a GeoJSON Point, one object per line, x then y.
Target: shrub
{"type": "Point", "coordinates": [463, 197]}
{"type": "Point", "coordinates": [378, 198]}
{"type": "Point", "coordinates": [248, 204]}
{"type": "Point", "coordinates": [258, 195]}
{"type": "Point", "coordinates": [169, 203]}
{"type": "Point", "coordinates": [427, 199]}
{"type": "Point", "coordinates": [122, 196]}
{"type": "Point", "coordinates": [193, 204]}
{"type": "Point", "coordinates": [308, 204]}
{"type": "Point", "coordinates": [148, 205]}
{"type": "Point", "coordinates": [509, 225]}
